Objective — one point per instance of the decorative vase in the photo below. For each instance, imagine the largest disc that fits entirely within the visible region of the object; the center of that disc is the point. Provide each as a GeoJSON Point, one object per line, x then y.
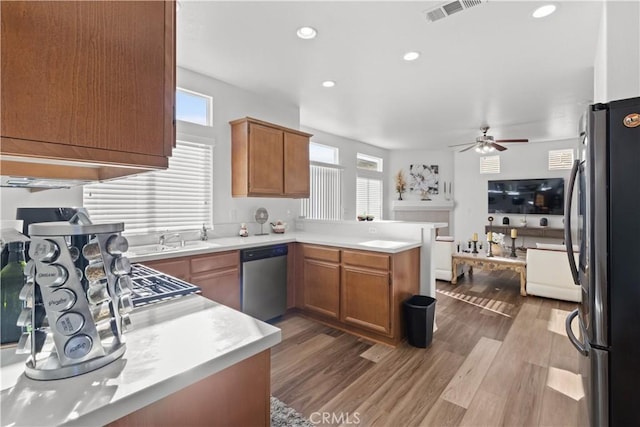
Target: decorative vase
{"type": "Point", "coordinates": [496, 249]}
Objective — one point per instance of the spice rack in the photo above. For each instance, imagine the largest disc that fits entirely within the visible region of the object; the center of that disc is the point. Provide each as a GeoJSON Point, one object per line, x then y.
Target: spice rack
{"type": "Point", "coordinates": [77, 298]}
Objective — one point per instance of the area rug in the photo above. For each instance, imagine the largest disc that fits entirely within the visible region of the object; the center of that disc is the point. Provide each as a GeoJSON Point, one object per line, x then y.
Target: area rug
{"type": "Point", "coordinates": [285, 416]}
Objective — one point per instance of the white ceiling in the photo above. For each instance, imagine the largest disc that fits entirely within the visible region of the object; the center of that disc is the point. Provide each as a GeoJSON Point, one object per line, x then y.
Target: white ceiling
{"type": "Point", "coordinates": [491, 64]}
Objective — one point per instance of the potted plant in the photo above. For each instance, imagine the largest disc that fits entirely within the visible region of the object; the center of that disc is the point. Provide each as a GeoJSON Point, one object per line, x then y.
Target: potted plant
{"type": "Point", "coordinates": [401, 184]}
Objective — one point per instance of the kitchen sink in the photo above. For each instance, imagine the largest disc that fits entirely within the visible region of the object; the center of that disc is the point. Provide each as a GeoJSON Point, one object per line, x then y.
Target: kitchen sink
{"type": "Point", "coordinates": [171, 247]}
{"type": "Point", "coordinates": [386, 244]}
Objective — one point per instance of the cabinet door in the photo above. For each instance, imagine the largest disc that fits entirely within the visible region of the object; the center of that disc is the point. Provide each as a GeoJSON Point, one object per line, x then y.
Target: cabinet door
{"type": "Point", "coordinates": [91, 74]}
{"type": "Point", "coordinates": [321, 285]}
{"type": "Point", "coordinates": [222, 286]}
{"type": "Point", "coordinates": [296, 165]}
{"type": "Point", "coordinates": [265, 160]}
{"type": "Point", "coordinates": [178, 267]}
{"type": "Point", "coordinates": [366, 298]}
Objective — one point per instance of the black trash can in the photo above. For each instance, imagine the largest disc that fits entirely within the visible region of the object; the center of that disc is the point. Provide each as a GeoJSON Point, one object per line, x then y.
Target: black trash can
{"type": "Point", "coordinates": [419, 311]}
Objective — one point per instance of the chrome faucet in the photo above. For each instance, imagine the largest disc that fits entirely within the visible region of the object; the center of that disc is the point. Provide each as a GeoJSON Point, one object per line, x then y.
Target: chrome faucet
{"type": "Point", "coordinates": [164, 237]}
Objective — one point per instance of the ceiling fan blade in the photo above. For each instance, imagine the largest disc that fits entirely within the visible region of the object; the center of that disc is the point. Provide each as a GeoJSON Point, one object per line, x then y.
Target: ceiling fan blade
{"type": "Point", "coordinates": [498, 146]}
{"type": "Point", "coordinates": [468, 148]}
{"type": "Point", "coordinates": [511, 140]}
{"type": "Point", "coordinates": [460, 145]}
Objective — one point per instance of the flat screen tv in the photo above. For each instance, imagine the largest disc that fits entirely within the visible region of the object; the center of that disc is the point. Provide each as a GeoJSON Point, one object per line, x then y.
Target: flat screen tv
{"type": "Point", "coordinates": [527, 196]}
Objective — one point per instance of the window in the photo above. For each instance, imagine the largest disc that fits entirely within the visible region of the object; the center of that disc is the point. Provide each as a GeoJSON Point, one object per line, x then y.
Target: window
{"type": "Point", "coordinates": [369, 186]}
{"type": "Point", "coordinates": [193, 107]}
{"type": "Point", "coordinates": [369, 197]}
{"type": "Point", "coordinates": [325, 182]}
{"type": "Point", "coordinates": [489, 164]}
{"type": "Point", "coordinates": [323, 153]}
{"type": "Point", "coordinates": [178, 198]}
{"type": "Point", "coordinates": [369, 163]}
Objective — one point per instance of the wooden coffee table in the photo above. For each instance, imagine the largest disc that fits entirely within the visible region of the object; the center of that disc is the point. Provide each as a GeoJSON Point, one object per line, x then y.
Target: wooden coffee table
{"type": "Point", "coordinates": [482, 262]}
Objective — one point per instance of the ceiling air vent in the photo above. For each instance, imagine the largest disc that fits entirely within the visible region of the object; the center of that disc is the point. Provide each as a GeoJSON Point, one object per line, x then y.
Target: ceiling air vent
{"type": "Point", "coordinates": [449, 8]}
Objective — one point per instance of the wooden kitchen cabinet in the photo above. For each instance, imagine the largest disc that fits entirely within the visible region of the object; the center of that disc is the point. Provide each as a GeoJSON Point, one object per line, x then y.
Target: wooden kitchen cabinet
{"type": "Point", "coordinates": [366, 292]}
{"type": "Point", "coordinates": [87, 82]}
{"type": "Point", "coordinates": [217, 274]}
{"type": "Point", "coordinates": [321, 280]}
{"type": "Point", "coordinates": [268, 160]}
{"type": "Point", "coordinates": [176, 267]}
{"type": "Point", "coordinates": [360, 292]}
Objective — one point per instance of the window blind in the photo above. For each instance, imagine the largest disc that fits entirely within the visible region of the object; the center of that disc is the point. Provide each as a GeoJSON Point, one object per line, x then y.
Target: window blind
{"type": "Point", "coordinates": [325, 195]}
{"type": "Point", "coordinates": [178, 198]}
{"type": "Point", "coordinates": [369, 197]}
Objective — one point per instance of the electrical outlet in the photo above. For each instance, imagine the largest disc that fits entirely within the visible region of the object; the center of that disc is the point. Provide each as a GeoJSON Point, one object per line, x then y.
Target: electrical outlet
{"type": "Point", "coordinates": [373, 230]}
{"type": "Point", "coordinates": [299, 225]}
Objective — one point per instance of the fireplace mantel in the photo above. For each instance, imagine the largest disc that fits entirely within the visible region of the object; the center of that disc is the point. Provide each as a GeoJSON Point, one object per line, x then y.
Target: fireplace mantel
{"type": "Point", "coordinates": [425, 211]}
{"type": "Point", "coordinates": [422, 205]}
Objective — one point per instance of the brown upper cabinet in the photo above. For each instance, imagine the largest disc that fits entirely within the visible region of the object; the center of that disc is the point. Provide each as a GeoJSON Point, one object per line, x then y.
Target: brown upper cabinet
{"type": "Point", "coordinates": [87, 82]}
{"type": "Point", "coordinates": [268, 160]}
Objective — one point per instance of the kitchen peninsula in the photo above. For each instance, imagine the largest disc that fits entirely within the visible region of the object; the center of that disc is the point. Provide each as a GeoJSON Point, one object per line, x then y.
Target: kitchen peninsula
{"type": "Point", "coordinates": [190, 357]}
{"type": "Point", "coordinates": [188, 362]}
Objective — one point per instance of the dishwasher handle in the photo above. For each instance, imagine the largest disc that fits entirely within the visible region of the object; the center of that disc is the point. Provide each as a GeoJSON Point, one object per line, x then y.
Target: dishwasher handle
{"type": "Point", "coordinates": [263, 252]}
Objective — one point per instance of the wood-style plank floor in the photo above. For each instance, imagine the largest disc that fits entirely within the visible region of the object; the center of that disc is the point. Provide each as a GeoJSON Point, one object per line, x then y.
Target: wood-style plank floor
{"type": "Point", "coordinates": [497, 359]}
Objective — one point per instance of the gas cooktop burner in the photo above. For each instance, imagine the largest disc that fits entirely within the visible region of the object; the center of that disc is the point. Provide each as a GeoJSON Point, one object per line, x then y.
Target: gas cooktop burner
{"type": "Point", "coordinates": [150, 286]}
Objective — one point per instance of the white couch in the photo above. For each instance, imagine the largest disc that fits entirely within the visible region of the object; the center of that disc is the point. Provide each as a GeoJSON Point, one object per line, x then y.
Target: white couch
{"type": "Point", "coordinates": [548, 273]}
{"type": "Point", "coordinates": [443, 247]}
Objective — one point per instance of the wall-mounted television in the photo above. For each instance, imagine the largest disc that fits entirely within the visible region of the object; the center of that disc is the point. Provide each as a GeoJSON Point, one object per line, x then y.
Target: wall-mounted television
{"type": "Point", "coordinates": [527, 196]}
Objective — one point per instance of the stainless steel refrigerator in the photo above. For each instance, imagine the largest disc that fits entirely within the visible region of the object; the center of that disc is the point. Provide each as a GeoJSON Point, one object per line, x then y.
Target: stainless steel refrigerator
{"type": "Point", "coordinates": [606, 228]}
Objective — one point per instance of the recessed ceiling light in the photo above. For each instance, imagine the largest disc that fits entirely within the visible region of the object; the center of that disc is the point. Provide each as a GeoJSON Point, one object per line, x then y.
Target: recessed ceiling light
{"type": "Point", "coordinates": [328, 83]}
{"type": "Point", "coordinates": [306, 33]}
{"type": "Point", "coordinates": [543, 11]}
{"type": "Point", "coordinates": [411, 56]}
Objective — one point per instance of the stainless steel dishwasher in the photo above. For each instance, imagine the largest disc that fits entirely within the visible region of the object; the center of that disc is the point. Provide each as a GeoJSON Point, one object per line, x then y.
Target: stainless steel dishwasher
{"type": "Point", "coordinates": [264, 281]}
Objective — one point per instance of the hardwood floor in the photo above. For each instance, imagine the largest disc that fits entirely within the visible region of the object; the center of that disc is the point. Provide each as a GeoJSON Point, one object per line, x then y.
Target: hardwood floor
{"type": "Point", "coordinates": [496, 359]}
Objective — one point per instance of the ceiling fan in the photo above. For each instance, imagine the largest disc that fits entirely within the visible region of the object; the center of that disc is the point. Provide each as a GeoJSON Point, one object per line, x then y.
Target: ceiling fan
{"type": "Point", "coordinates": [486, 143]}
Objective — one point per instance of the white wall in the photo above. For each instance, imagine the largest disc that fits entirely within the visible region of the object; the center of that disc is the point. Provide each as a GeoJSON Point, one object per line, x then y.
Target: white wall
{"type": "Point", "coordinates": [401, 159]}
{"type": "Point", "coordinates": [526, 161]}
{"type": "Point", "coordinates": [617, 60]}
{"type": "Point", "coordinates": [12, 198]}
{"type": "Point", "coordinates": [349, 150]}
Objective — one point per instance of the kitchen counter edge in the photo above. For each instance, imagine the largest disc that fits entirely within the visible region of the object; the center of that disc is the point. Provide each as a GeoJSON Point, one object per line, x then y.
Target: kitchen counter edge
{"type": "Point", "coordinates": [160, 360]}
{"type": "Point", "coordinates": [234, 243]}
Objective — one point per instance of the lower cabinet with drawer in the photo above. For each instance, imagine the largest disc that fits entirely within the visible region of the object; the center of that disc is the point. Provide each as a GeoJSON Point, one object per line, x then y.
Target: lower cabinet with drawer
{"type": "Point", "coordinates": [357, 291]}
{"type": "Point", "coordinates": [218, 274]}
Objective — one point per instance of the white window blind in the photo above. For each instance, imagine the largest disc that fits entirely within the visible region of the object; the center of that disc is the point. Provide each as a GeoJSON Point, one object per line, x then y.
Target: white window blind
{"type": "Point", "coordinates": [490, 164]}
{"type": "Point", "coordinates": [560, 159]}
{"type": "Point", "coordinates": [178, 198]}
{"type": "Point", "coordinates": [369, 197]}
{"type": "Point", "coordinates": [325, 196]}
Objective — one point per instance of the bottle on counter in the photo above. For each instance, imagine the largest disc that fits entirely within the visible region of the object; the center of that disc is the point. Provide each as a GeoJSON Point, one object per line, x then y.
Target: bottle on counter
{"type": "Point", "coordinates": [12, 280]}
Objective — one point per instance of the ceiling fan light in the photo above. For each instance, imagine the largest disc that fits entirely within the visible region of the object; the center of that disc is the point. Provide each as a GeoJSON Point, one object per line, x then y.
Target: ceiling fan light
{"type": "Point", "coordinates": [478, 149]}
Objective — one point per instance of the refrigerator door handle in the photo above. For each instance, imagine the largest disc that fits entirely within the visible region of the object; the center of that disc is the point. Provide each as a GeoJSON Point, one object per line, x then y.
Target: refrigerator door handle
{"type": "Point", "coordinates": [568, 241]}
{"type": "Point", "coordinates": [575, 341]}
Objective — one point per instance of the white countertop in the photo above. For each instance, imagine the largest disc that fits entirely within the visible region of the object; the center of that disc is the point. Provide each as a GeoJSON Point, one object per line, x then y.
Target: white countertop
{"type": "Point", "coordinates": [370, 243]}
{"type": "Point", "coordinates": [173, 344]}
